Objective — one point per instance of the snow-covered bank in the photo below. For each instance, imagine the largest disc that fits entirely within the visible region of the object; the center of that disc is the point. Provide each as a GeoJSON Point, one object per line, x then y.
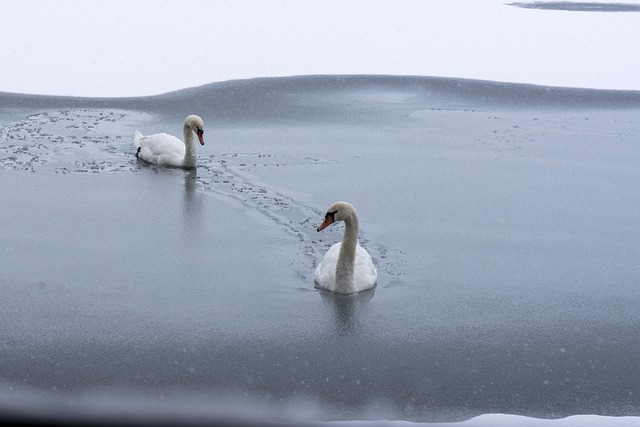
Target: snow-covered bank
{"type": "Point", "coordinates": [566, 43]}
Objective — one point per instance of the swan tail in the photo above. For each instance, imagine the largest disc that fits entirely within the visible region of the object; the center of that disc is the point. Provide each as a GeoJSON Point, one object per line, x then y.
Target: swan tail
{"type": "Point", "coordinates": [136, 139]}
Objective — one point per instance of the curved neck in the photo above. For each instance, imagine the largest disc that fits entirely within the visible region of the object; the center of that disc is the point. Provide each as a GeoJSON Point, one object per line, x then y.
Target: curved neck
{"type": "Point", "coordinates": [347, 256]}
{"type": "Point", "coordinates": [189, 148]}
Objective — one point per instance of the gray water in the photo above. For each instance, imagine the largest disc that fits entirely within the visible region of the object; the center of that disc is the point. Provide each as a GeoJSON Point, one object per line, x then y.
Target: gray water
{"type": "Point", "coordinates": [503, 221]}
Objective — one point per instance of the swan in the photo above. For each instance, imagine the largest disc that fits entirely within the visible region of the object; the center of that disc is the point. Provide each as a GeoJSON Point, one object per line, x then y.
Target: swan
{"type": "Point", "coordinates": [167, 150]}
{"type": "Point", "coordinates": [346, 267]}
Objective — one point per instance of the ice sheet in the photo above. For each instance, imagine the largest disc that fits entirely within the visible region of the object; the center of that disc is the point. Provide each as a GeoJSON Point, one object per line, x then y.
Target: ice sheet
{"type": "Point", "coordinates": [504, 229]}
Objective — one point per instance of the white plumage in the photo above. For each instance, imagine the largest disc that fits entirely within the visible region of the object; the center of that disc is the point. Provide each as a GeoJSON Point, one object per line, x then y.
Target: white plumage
{"type": "Point", "coordinates": [166, 150]}
{"type": "Point", "coordinates": [346, 267]}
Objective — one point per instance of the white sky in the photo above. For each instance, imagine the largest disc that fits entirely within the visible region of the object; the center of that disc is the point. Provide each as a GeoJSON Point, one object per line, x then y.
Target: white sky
{"type": "Point", "coordinates": [133, 47]}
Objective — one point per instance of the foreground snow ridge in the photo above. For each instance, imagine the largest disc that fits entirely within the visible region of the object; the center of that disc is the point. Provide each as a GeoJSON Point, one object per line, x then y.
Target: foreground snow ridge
{"type": "Point", "coordinates": [503, 420]}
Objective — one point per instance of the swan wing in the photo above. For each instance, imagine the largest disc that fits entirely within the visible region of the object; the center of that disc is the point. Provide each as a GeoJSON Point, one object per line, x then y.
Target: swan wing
{"type": "Point", "coordinates": [365, 274]}
{"type": "Point", "coordinates": [161, 149]}
{"type": "Point", "coordinates": [325, 276]}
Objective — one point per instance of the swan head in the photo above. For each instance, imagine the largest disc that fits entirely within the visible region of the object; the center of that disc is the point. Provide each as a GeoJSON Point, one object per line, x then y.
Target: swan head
{"type": "Point", "coordinates": [196, 124]}
{"type": "Point", "coordinates": [339, 211]}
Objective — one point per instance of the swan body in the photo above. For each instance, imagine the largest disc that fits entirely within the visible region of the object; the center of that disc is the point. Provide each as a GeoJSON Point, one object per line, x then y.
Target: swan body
{"type": "Point", "coordinates": [347, 267]}
{"type": "Point", "coordinates": [167, 150]}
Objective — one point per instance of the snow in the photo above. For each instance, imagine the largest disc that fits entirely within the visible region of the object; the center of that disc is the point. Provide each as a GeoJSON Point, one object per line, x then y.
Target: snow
{"type": "Point", "coordinates": [119, 48]}
{"type": "Point", "coordinates": [502, 420]}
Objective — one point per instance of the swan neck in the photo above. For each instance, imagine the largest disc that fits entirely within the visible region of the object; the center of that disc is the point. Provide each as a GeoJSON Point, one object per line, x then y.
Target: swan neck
{"type": "Point", "coordinates": [347, 255]}
{"type": "Point", "coordinates": [189, 147]}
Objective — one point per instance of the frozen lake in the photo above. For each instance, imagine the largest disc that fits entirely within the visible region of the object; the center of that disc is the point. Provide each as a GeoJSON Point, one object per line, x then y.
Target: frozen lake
{"type": "Point", "coordinates": [503, 220]}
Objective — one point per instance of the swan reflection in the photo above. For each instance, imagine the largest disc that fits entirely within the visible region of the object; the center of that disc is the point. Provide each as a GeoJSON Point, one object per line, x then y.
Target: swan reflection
{"type": "Point", "coordinates": [192, 205]}
{"type": "Point", "coordinates": [344, 309]}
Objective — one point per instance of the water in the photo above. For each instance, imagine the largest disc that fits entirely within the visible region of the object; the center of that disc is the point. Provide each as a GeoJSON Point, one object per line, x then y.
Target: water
{"type": "Point", "coordinates": [505, 240]}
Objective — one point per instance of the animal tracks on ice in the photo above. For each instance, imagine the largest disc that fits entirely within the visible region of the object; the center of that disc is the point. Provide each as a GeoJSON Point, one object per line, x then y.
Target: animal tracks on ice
{"type": "Point", "coordinates": [85, 141]}
{"type": "Point", "coordinates": [70, 141]}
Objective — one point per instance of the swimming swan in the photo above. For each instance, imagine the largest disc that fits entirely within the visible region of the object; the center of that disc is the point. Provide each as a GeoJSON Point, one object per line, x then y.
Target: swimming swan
{"type": "Point", "coordinates": [167, 150]}
{"type": "Point", "coordinates": [346, 267]}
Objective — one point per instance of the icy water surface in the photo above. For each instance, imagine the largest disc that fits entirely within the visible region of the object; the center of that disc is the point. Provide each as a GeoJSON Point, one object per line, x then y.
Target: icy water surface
{"type": "Point", "coordinates": [503, 221]}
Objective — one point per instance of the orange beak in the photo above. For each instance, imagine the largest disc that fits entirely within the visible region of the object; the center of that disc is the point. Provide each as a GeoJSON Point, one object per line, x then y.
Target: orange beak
{"type": "Point", "coordinates": [200, 136]}
{"type": "Point", "coordinates": [328, 220]}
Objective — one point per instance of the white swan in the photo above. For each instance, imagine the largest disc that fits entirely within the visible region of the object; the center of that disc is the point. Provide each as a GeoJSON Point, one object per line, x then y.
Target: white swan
{"type": "Point", "coordinates": [167, 150]}
{"type": "Point", "coordinates": [346, 267]}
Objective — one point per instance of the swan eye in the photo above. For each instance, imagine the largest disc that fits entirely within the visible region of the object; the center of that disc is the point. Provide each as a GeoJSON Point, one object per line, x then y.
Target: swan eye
{"type": "Point", "coordinates": [200, 131]}
{"type": "Point", "coordinates": [331, 215]}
